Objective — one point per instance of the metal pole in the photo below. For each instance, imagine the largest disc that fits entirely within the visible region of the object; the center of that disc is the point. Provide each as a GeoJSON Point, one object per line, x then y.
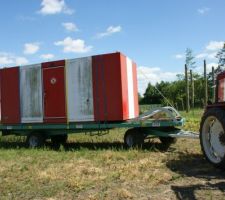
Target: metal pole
{"type": "Point", "coordinates": [187, 89]}
{"type": "Point", "coordinates": [206, 85]}
{"type": "Point", "coordinates": [192, 90]}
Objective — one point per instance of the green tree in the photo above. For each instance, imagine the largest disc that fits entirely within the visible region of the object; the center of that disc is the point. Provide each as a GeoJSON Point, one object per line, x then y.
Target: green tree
{"type": "Point", "coordinates": [175, 92]}
{"type": "Point", "coordinates": [221, 60]}
{"type": "Point", "coordinates": [139, 98]}
{"type": "Point", "coordinates": [190, 59]}
{"type": "Point", "coordinates": [151, 96]}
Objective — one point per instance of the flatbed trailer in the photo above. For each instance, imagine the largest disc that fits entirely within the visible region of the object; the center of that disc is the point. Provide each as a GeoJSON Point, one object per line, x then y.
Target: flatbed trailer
{"type": "Point", "coordinates": [160, 122]}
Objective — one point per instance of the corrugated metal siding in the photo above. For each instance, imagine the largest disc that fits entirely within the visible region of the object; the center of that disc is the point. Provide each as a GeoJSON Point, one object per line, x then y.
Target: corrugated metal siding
{"type": "Point", "coordinates": [106, 70]}
{"type": "Point", "coordinates": [79, 89]}
{"type": "Point", "coordinates": [31, 94]}
{"type": "Point", "coordinates": [10, 98]}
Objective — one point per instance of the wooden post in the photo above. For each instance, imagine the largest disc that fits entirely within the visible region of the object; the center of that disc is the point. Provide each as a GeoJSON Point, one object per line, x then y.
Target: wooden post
{"type": "Point", "coordinates": [176, 106]}
{"type": "Point", "coordinates": [206, 85]}
{"type": "Point", "coordinates": [187, 89]}
{"type": "Point", "coordinates": [214, 85]}
{"type": "Point", "coordinates": [182, 103]}
{"type": "Point", "coordinates": [192, 90]}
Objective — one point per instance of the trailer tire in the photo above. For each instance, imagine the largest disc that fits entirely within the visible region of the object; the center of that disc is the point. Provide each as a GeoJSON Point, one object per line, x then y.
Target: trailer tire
{"type": "Point", "coordinates": [212, 137]}
{"type": "Point", "coordinates": [35, 140]}
{"type": "Point", "coordinates": [134, 138]}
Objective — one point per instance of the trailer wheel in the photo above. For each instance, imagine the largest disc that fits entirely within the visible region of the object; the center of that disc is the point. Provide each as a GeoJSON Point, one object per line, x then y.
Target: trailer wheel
{"type": "Point", "coordinates": [212, 136]}
{"type": "Point", "coordinates": [35, 140]}
{"type": "Point", "coordinates": [133, 138]}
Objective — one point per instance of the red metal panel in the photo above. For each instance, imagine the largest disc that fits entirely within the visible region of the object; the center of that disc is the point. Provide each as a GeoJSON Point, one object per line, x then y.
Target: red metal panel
{"type": "Point", "coordinates": [10, 96]}
{"type": "Point", "coordinates": [221, 90]}
{"type": "Point", "coordinates": [136, 105]}
{"type": "Point", "coordinates": [124, 81]}
{"type": "Point", "coordinates": [107, 90]}
{"type": "Point", "coordinates": [54, 92]}
{"type": "Point", "coordinates": [221, 76]}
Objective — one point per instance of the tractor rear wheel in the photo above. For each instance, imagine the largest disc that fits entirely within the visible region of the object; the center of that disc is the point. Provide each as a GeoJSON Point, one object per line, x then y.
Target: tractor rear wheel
{"type": "Point", "coordinates": [212, 136]}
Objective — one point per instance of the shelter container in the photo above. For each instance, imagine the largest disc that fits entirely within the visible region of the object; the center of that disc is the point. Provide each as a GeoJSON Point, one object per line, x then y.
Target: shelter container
{"type": "Point", "coordinates": [98, 88]}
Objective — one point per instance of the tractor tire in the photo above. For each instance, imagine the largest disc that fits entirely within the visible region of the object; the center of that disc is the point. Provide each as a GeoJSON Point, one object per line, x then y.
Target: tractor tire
{"type": "Point", "coordinates": [212, 137]}
{"type": "Point", "coordinates": [134, 138]}
{"type": "Point", "coordinates": [35, 140]}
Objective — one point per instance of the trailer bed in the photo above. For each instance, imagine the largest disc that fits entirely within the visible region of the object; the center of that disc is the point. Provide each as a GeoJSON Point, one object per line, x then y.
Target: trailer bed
{"type": "Point", "coordinates": [147, 124]}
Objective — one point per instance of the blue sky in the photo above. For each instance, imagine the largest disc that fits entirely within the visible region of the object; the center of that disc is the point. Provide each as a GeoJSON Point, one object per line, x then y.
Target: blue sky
{"type": "Point", "coordinates": [154, 33]}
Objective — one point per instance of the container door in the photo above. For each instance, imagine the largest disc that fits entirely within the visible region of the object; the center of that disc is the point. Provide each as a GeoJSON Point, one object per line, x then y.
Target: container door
{"type": "Point", "coordinates": [54, 94]}
{"type": "Point", "coordinates": [31, 94]}
{"type": "Point", "coordinates": [10, 96]}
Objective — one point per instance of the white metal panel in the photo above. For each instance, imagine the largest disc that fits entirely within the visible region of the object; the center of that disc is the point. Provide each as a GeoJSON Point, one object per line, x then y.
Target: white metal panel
{"type": "Point", "coordinates": [79, 89]}
{"type": "Point", "coordinates": [31, 93]}
{"type": "Point", "coordinates": [130, 86]}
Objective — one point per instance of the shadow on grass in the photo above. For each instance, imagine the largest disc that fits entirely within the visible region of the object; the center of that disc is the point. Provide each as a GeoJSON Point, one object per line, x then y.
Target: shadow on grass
{"type": "Point", "coordinates": [189, 192]}
{"type": "Point", "coordinates": [73, 146]}
{"type": "Point", "coordinates": [194, 165]}
{"type": "Point", "coordinates": [151, 146]}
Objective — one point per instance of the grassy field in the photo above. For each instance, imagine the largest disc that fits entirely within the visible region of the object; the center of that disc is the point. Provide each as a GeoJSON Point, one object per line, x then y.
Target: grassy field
{"type": "Point", "coordinates": [100, 168]}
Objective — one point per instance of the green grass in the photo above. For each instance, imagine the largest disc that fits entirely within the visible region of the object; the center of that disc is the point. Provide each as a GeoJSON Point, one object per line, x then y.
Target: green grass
{"type": "Point", "coordinates": [100, 168]}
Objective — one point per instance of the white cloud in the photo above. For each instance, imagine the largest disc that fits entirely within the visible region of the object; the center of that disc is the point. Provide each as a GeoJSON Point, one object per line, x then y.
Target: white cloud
{"type": "Point", "coordinates": [47, 56]}
{"type": "Point", "coordinates": [21, 61]}
{"type": "Point", "coordinates": [31, 48]}
{"type": "Point", "coordinates": [179, 56]}
{"type": "Point", "coordinates": [211, 50]}
{"type": "Point", "coordinates": [72, 45]}
{"type": "Point", "coordinates": [10, 59]}
{"type": "Point", "coordinates": [109, 31]}
{"type": "Point", "coordinates": [69, 26]}
{"type": "Point", "coordinates": [206, 55]}
{"type": "Point", "coordinates": [203, 11]}
{"type": "Point", "coordinates": [51, 7]}
{"type": "Point", "coordinates": [214, 45]}
{"type": "Point", "coordinates": [200, 69]}
{"type": "Point", "coordinates": [210, 65]}
{"type": "Point", "coordinates": [201, 55]}
{"type": "Point", "coordinates": [5, 59]}
{"type": "Point", "coordinates": [212, 55]}
{"type": "Point", "coordinates": [152, 75]}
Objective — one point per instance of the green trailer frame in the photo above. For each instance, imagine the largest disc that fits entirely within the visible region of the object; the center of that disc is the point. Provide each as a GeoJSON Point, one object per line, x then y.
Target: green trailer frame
{"type": "Point", "coordinates": [159, 122]}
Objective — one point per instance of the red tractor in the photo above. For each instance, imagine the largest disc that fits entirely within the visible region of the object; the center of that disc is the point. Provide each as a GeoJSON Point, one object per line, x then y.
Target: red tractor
{"type": "Point", "coordinates": [212, 127]}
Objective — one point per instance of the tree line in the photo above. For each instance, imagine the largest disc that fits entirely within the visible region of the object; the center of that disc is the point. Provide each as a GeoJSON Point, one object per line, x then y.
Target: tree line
{"type": "Point", "coordinates": [176, 91]}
